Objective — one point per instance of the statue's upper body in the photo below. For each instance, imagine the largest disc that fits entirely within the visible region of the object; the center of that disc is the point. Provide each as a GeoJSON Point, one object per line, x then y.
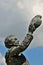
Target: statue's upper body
{"type": "Point", "coordinates": [14, 52]}
{"type": "Point", "coordinates": [13, 56]}
{"type": "Point", "coordinates": [25, 43]}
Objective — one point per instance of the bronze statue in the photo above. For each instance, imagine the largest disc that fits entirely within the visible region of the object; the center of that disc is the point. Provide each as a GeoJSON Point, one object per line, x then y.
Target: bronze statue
{"type": "Point", "coordinates": [14, 55]}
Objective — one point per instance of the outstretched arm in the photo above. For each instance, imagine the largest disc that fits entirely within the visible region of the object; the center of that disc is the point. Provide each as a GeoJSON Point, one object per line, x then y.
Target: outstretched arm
{"type": "Point", "coordinates": [35, 23]}
{"type": "Point", "coordinates": [25, 43]}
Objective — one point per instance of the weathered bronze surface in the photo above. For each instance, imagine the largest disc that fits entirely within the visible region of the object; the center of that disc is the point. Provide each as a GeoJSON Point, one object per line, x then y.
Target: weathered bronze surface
{"type": "Point", "coordinates": [14, 55]}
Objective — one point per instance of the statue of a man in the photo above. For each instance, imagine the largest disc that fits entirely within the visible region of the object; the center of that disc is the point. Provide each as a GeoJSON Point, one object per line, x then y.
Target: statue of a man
{"type": "Point", "coordinates": [14, 55]}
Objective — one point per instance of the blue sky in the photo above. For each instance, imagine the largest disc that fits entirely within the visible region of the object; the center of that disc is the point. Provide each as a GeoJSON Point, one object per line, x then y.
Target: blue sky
{"type": "Point", "coordinates": [35, 55]}
{"type": "Point", "coordinates": [15, 16]}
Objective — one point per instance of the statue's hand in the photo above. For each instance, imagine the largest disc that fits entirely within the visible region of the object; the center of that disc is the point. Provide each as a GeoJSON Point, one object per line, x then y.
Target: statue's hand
{"type": "Point", "coordinates": [35, 23]}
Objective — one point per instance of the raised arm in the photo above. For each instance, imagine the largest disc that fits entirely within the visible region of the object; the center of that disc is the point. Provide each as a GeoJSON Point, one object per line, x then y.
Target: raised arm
{"type": "Point", "coordinates": [25, 43]}
{"type": "Point", "coordinates": [35, 23]}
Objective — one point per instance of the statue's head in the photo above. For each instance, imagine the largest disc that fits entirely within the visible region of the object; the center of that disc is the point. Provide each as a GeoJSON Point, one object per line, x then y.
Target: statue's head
{"type": "Point", "coordinates": [10, 41]}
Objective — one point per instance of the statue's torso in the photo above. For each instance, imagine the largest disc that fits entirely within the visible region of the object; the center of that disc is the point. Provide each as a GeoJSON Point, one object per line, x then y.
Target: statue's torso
{"type": "Point", "coordinates": [17, 60]}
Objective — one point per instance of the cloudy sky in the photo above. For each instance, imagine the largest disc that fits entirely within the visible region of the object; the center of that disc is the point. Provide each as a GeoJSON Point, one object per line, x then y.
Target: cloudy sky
{"type": "Point", "coordinates": [15, 16]}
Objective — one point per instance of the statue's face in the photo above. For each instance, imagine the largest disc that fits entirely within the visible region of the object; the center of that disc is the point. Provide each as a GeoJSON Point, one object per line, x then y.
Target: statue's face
{"type": "Point", "coordinates": [11, 41]}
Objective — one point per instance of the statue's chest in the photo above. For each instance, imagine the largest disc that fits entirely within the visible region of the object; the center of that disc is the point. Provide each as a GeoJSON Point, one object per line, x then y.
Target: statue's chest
{"type": "Point", "coordinates": [16, 60]}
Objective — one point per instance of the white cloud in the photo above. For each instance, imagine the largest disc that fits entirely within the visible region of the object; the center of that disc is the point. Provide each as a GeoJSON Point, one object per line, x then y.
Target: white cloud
{"type": "Point", "coordinates": [7, 4]}
{"type": "Point", "coordinates": [20, 5]}
{"type": "Point", "coordinates": [31, 8]}
{"type": "Point", "coordinates": [38, 9]}
{"type": "Point", "coordinates": [2, 60]}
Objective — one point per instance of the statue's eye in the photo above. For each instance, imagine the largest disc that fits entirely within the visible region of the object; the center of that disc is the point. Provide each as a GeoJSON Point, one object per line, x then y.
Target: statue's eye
{"type": "Point", "coordinates": [15, 39]}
